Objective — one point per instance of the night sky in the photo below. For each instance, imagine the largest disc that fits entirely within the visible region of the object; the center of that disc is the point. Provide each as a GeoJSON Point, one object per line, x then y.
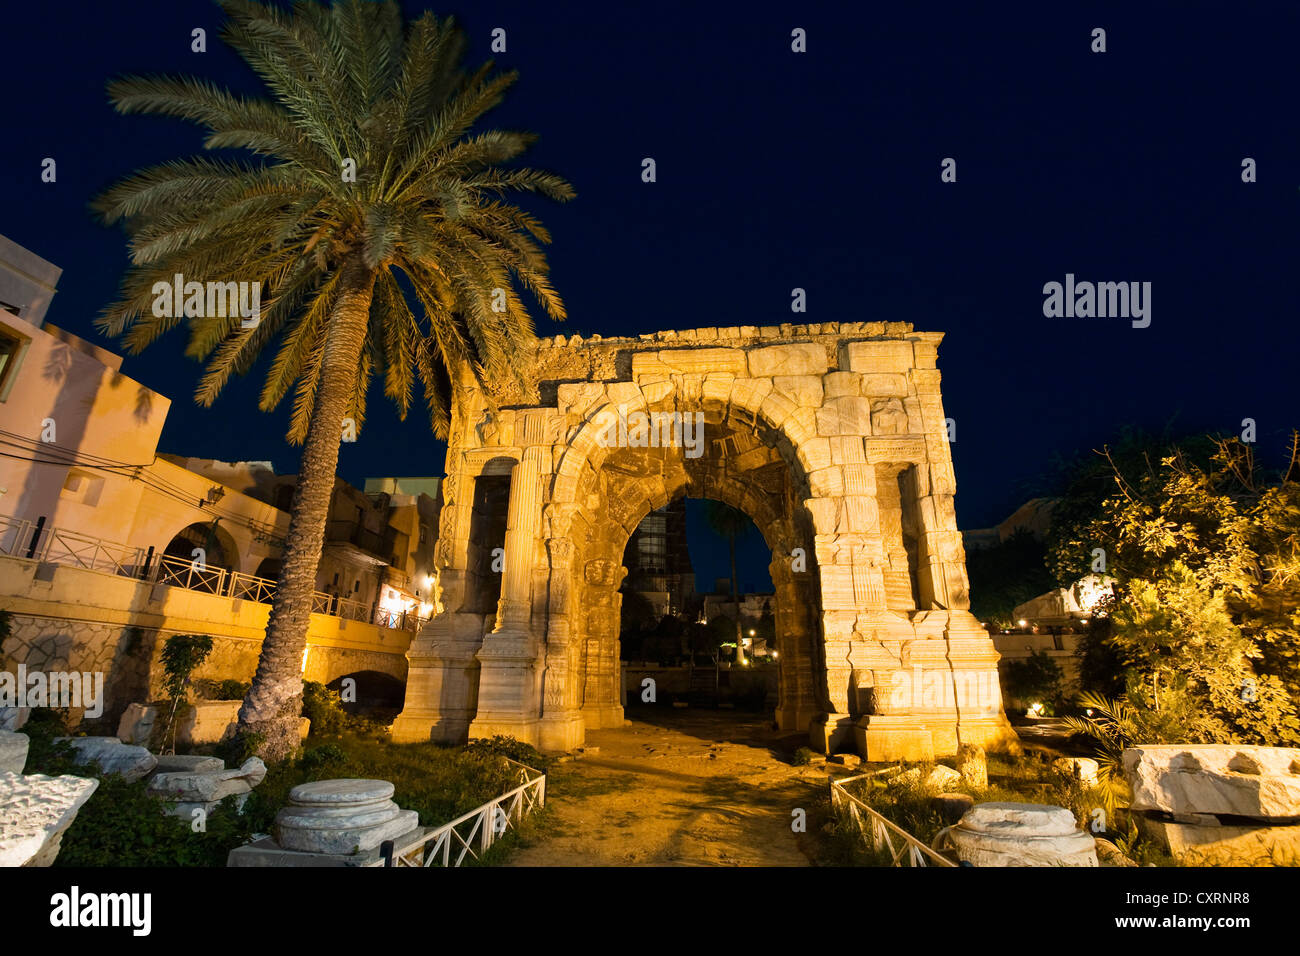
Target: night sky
{"type": "Point", "coordinates": [818, 170]}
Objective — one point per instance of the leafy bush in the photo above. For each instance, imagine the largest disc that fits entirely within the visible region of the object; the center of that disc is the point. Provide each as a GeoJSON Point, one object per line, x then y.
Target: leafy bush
{"type": "Point", "coordinates": [220, 689]}
{"type": "Point", "coordinates": [122, 825]}
{"type": "Point", "coordinates": [802, 757]}
{"type": "Point", "coordinates": [516, 750]}
{"type": "Point", "coordinates": [1118, 724]}
{"type": "Point", "coordinates": [1035, 679]}
{"type": "Point", "coordinates": [324, 709]}
{"type": "Point", "coordinates": [1204, 548]}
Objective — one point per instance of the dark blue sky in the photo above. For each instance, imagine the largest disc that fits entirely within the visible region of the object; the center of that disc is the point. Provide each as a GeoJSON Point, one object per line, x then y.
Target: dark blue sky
{"type": "Point", "coordinates": [818, 170]}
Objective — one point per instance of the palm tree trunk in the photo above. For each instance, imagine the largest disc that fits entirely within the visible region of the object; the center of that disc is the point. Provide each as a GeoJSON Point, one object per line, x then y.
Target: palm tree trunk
{"type": "Point", "coordinates": [735, 599]}
{"type": "Point", "coordinates": [269, 717]}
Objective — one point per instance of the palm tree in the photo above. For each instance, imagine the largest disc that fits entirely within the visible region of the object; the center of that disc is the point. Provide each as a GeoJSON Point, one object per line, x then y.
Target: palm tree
{"type": "Point", "coordinates": [364, 168]}
{"type": "Point", "coordinates": [731, 524]}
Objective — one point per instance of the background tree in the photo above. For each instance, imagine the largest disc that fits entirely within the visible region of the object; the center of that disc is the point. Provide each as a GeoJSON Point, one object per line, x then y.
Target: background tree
{"type": "Point", "coordinates": [366, 184]}
{"type": "Point", "coordinates": [1206, 557]}
{"type": "Point", "coordinates": [1007, 575]}
{"type": "Point", "coordinates": [733, 525]}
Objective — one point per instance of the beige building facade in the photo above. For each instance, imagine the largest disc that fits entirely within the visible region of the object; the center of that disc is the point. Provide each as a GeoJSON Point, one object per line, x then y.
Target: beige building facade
{"type": "Point", "coordinates": [831, 437]}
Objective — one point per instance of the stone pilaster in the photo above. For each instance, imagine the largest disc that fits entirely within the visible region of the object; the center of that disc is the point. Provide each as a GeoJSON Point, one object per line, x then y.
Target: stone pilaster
{"type": "Point", "coordinates": [509, 677]}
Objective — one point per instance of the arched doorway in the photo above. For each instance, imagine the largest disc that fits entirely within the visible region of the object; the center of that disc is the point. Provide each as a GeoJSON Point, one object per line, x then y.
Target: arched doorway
{"type": "Point", "coordinates": [199, 557]}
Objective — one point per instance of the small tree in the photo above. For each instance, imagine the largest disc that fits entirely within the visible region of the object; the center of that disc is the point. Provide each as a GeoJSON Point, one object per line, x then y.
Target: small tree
{"type": "Point", "coordinates": [1206, 558]}
{"type": "Point", "coordinates": [734, 525]}
{"type": "Point", "coordinates": [182, 655]}
{"type": "Point", "coordinates": [1035, 678]}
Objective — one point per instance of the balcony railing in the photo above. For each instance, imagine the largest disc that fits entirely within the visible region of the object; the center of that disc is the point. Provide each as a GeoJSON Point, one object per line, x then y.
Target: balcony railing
{"type": "Point", "coordinates": [20, 538]}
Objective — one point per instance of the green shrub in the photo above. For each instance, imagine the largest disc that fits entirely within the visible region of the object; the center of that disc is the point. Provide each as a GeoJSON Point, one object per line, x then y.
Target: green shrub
{"type": "Point", "coordinates": [324, 709]}
{"type": "Point", "coordinates": [122, 825]}
{"type": "Point", "coordinates": [1036, 679]}
{"type": "Point", "coordinates": [220, 689]}
{"type": "Point", "coordinates": [802, 757]}
{"type": "Point", "coordinates": [516, 750]}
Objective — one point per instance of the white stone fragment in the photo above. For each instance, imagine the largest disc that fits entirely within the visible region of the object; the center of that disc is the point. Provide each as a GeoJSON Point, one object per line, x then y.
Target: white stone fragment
{"type": "Point", "coordinates": [13, 751]}
{"type": "Point", "coordinates": [35, 810]}
{"type": "Point", "coordinates": [1222, 779]}
{"type": "Point", "coordinates": [1022, 834]}
{"type": "Point", "coordinates": [113, 756]}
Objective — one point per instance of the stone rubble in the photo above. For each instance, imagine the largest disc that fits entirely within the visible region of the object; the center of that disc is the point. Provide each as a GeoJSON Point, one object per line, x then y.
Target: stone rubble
{"type": "Point", "coordinates": [113, 756]}
{"type": "Point", "coordinates": [35, 811]}
{"type": "Point", "coordinates": [1022, 834]}
{"type": "Point", "coordinates": [13, 751]}
{"type": "Point", "coordinates": [1218, 804]}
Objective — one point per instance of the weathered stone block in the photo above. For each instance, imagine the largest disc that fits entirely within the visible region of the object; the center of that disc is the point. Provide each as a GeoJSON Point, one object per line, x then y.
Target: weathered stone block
{"type": "Point", "coordinates": [1022, 834]}
{"type": "Point", "coordinates": [113, 756]}
{"type": "Point", "coordinates": [802, 390]}
{"type": "Point", "coordinates": [793, 359]}
{"type": "Point", "coordinates": [35, 811]}
{"type": "Point", "coordinates": [13, 751]}
{"type": "Point", "coordinates": [842, 384]}
{"type": "Point", "coordinates": [341, 817]}
{"type": "Point", "coordinates": [844, 416]}
{"type": "Point", "coordinates": [1192, 845]}
{"type": "Point", "coordinates": [137, 723]}
{"type": "Point", "coordinates": [1223, 779]}
{"type": "Point", "coordinates": [208, 722]}
{"type": "Point", "coordinates": [1083, 769]}
{"type": "Point", "coordinates": [679, 361]}
{"type": "Point", "coordinates": [892, 385]}
{"type": "Point", "coordinates": [877, 357]}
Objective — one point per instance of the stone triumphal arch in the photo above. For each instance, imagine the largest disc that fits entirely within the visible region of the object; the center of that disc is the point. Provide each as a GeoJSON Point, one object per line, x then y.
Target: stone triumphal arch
{"type": "Point", "coordinates": [831, 437]}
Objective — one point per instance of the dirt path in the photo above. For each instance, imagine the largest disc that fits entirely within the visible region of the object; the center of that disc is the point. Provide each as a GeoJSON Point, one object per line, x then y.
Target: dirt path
{"type": "Point", "coordinates": [694, 788]}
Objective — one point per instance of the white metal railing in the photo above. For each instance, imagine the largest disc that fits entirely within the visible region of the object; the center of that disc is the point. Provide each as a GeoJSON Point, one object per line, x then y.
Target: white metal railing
{"type": "Point", "coordinates": [879, 831]}
{"type": "Point", "coordinates": [472, 834]}
{"type": "Point", "coordinates": [249, 587]}
{"type": "Point", "coordinates": [94, 554]}
{"type": "Point", "coordinates": [15, 535]}
{"type": "Point", "coordinates": [399, 620]}
{"type": "Point", "coordinates": [191, 575]}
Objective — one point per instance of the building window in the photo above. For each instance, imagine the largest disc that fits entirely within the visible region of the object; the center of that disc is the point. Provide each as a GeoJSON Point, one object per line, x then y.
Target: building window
{"type": "Point", "coordinates": [82, 487]}
{"type": "Point", "coordinates": [12, 347]}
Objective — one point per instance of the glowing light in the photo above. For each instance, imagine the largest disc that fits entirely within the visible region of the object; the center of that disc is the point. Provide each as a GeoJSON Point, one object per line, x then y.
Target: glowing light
{"type": "Point", "coordinates": [305, 651]}
{"type": "Point", "coordinates": [1022, 622]}
{"type": "Point", "coordinates": [775, 655]}
{"type": "Point", "coordinates": [1035, 710]}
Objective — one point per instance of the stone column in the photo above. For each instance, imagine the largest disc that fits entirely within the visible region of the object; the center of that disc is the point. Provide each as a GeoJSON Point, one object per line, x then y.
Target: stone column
{"type": "Point", "coordinates": [442, 678]}
{"type": "Point", "coordinates": [601, 706]}
{"type": "Point", "coordinates": [796, 702]}
{"type": "Point", "coordinates": [562, 726]}
{"type": "Point", "coordinates": [508, 678]}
